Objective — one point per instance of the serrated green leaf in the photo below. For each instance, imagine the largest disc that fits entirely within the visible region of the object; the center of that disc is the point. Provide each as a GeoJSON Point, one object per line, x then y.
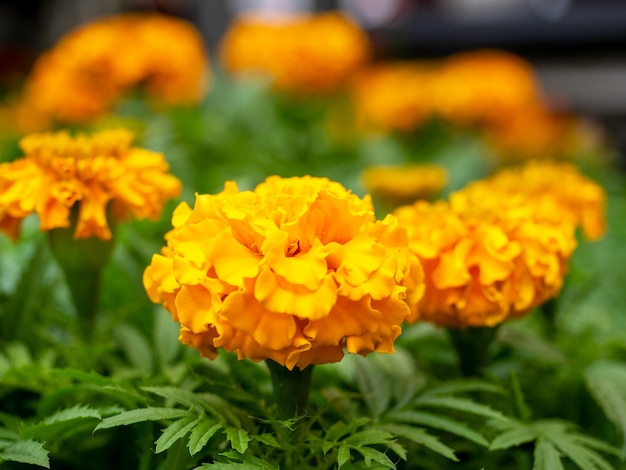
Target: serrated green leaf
{"type": "Point", "coordinates": [584, 458]}
{"type": "Point", "coordinates": [249, 461]}
{"type": "Point", "coordinates": [369, 437]}
{"type": "Point", "coordinates": [343, 455]}
{"type": "Point", "coordinates": [597, 444]}
{"type": "Point", "coordinates": [201, 434]}
{"type": "Point", "coordinates": [64, 424]}
{"type": "Point", "coordinates": [514, 437]}
{"type": "Point", "coordinates": [464, 386]}
{"type": "Point", "coordinates": [29, 452]}
{"type": "Point", "coordinates": [139, 415]}
{"type": "Point", "coordinates": [461, 404]}
{"type": "Point", "coordinates": [606, 381]}
{"type": "Point", "coordinates": [174, 432]}
{"type": "Point", "coordinates": [442, 423]}
{"type": "Point", "coordinates": [238, 438]}
{"type": "Point", "coordinates": [340, 429]}
{"type": "Point", "coordinates": [183, 397]}
{"type": "Point", "coordinates": [373, 385]}
{"type": "Point", "coordinates": [374, 455]}
{"type": "Point", "coordinates": [546, 457]}
{"type": "Point", "coordinates": [422, 437]}
{"type": "Point", "coordinates": [135, 347]}
{"type": "Point", "coordinates": [267, 439]}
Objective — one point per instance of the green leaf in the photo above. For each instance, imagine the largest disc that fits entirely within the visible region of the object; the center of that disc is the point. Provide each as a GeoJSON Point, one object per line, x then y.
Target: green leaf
{"type": "Point", "coordinates": [343, 455]}
{"type": "Point", "coordinates": [586, 459]}
{"type": "Point", "coordinates": [135, 347]}
{"type": "Point", "coordinates": [546, 456]}
{"type": "Point", "coordinates": [461, 404]}
{"type": "Point", "coordinates": [606, 381]}
{"type": "Point", "coordinates": [370, 455]}
{"type": "Point", "coordinates": [374, 386]}
{"type": "Point", "coordinates": [166, 341]}
{"type": "Point", "coordinates": [514, 437]}
{"type": "Point", "coordinates": [139, 415]}
{"type": "Point", "coordinates": [369, 437]}
{"type": "Point", "coordinates": [267, 439]}
{"type": "Point", "coordinates": [238, 438]}
{"type": "Point", "coordinates": [184, 397]}
{"type": "Point", "coordinates": [421, 436]}
{"type": "Point", "coordinates": [464, 386]}
{"type": "Point", "coordinates": [442, 423]}
{"type": "Point", "coordinates": [175, 431]}
{"type": "Point", "coordinates": [63, 424]}
{"type": "Point", "coordinates": [201, 434]}
{"type": "Point", "coordinates": [29, 452]}
{"type": "Point", "coordinates": [340, 429]}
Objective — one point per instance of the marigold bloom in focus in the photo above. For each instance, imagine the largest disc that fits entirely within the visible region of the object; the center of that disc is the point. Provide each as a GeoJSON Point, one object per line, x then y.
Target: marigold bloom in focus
{"type": "Point", "coordinates": [485, 258]}
{"type": "Point", "coordinates": [96, 63]}
{"type": "Point", "coordinates": [59, 172]}
{"type": "Point", "coordinates": [394, 186]}
{"type": "Point", "coordinates": [559, 191]}
{"type": "Point", "coordinates": [294, 271]}
{"type": "Point", "coordinates": [309, 54]}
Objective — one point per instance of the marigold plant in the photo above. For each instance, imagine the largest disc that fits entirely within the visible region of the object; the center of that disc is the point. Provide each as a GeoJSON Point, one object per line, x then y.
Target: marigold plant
{"type": "Point", "coordinates": [100, 175]}
{"type": "Point", "coordinates": [95, 64]}
{"type": "Point", "coordinates": [310, 54]}
{"type": "Point", "coordinates": [486, 258]}
{"type": "Point", "coordinates": [294, 271]}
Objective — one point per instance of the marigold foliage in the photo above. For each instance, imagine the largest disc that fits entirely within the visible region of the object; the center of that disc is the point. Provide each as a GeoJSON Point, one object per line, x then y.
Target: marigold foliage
{"type": "Point", "coordinates": [95, 64]}
{"type": "Point", "coordinates": [309, 54]}
{"type": "Point", "coordinates": [101, 175]}
{"type": "Point", "coordinates": [499, 247]}
{"type": "Point", "coordinates": [403, 184]}
{"type": "Point", "coordinates": [294, 271]}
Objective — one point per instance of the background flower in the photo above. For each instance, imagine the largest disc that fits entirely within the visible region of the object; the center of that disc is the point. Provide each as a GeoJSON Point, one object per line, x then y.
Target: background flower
{"type": "Point", "coordinates": [295, 271]}
{"type": "Point", "coordinates": [95, 64]}
{"type": "Point", "coordinates": [310, 54]}
{"type": "Point", "coordinates": [93, 174]}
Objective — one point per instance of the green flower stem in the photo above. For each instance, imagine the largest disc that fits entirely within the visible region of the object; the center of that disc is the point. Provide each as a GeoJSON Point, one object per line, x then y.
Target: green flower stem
{"type": "Point", "coordinates": [472, 348]}
{"type": "Point", "coordinates": [291, 389]}
{"type": "Point", "coordinates": [82, 262]}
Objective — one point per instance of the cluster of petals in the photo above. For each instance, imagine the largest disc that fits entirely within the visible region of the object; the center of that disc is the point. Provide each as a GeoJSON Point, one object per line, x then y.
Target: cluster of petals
{"type": "Point", "coordinates": [307, 54]}
{"type": "Point", "coordinates": [488, 254]}
{"type": "Point", "coordinates": [296, 271]}
{"type": "Point", "coordinates": [100, 176]}
{"type": "Point", "coordinates": [95, 64]}
{"type": "Point", "coordinates": [403, 184]}
{"type": "Point", "coordinates": [559, 191]}
{"type": "Point", "coordinates": [493, 91]}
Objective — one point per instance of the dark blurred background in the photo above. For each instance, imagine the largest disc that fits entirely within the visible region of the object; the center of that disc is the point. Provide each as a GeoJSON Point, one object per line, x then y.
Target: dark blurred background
{"type": "Point", "coordinates": [578, 47]}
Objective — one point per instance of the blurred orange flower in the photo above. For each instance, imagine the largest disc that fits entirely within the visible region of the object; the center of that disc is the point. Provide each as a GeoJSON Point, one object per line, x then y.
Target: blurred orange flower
{"type": "Point", "coordinates": [294, 271]}
{"type": "Point", "coordinates": [93, 65]}
{"type": "Point", "coordinates": [310, 54]}
{"type": "Point", "coordinates": [559, 191]}
{"type": "Point", "coordinates": [89, 173]}
{"type": "Point", "coordinates": [486, 258]}
{"type": "Point", "coordinates": [394, 186]}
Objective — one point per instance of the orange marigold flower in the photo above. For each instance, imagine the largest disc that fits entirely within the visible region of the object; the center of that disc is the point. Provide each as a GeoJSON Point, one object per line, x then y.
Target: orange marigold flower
{"type": "Point", "coordinates": [310, 54]}
{"type": "Point", "coordinates": [294, 271]}
{"type": "Point", "coordinates": [484, 87]}
{"type": "Point", "coordinates": [485, 259]}
{"type": "Point", "coordinates": [59, 172]}
{"type": "Point", "coordinates": [559, 191]}
{"type": "Point", "coordinates": [394, 186]}
{"type": "Point", "coordinates": [93, 65]}
{"type": "Point", "coordinates": [395, 96]}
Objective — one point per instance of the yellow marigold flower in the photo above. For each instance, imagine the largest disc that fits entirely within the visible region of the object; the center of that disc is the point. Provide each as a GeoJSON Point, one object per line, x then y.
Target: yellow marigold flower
{"type": "Point", "coordinates": [93, 65]}
{"type": "Point", "coordinates": [485, 259]}
{"type": "Point", "coordinates": [294, 271]}
{"type": "Point", "coordinates": [559, 190]}
{"type": "Point", "coordinates": [393, 186]}
{"type": "Point", "coordinates": [484, 87]}
{"type": "Point", "coordinates": [395, 96]}
{"type": "Point", "coordinates": [310, 54]}
{"type": "Point", "coordinates": [93, 173]}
